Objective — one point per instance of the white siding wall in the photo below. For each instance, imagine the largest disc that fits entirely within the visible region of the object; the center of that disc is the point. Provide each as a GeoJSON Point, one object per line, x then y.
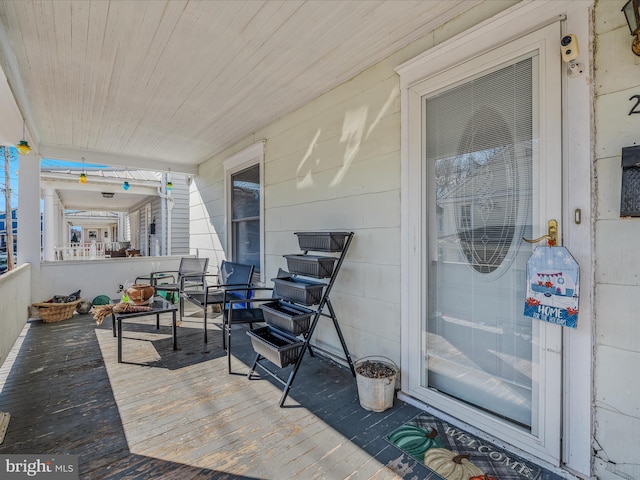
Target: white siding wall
{"type": "Point", "coordinates": [335, 165]}
{"type": "Point", "coordinates": [617, 349]}
{"type": "Point", "coordinates": [180, 216]}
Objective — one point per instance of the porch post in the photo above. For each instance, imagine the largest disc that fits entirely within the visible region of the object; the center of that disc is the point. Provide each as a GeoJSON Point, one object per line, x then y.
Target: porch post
{"type": "Point", "coordinates": [49, 224]}
{"type": "Point", "coordinates": [29, 213]}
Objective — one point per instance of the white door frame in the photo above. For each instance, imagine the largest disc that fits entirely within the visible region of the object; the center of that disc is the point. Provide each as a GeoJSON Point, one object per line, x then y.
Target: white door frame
{"type": "Point", "coordinates": [577, 170]}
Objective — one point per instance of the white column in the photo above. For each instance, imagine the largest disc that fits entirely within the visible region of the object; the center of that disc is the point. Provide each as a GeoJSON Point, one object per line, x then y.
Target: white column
{"type": "Point", "coordinates": [29, 217]}
{"type": "Point", "coordinates": [49, 220]}
{"type": "Point", "coordinates": [29, 210]}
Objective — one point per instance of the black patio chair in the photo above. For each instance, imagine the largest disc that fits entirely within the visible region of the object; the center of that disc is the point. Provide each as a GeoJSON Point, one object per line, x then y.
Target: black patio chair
{"type": "Point", "coordinates": [242, 306]}
{"type": "Point", "coordinates": [230, 275]}
{"type": "Point", "coordinates": [190, 274]}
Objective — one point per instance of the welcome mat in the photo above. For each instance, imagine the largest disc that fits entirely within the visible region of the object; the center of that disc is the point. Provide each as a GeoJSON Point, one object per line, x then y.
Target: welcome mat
{"type": "Point", "coordinates": [458, 455]}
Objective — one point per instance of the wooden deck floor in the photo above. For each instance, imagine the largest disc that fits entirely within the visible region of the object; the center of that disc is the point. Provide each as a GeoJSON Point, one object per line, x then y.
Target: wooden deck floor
{"type": "Point", "coordinates": [179, 415]}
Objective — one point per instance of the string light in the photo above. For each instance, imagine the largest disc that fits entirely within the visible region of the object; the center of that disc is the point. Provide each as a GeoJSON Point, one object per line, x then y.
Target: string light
{"type": "Point", "coordinates": [125, 184]}
{"type": "Point", "coordinates": [169, 182]}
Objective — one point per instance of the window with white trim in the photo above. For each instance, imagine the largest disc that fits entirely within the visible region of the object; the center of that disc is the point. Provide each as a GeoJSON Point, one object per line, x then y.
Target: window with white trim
{"type": "Point", "coordinates": [244, 181]}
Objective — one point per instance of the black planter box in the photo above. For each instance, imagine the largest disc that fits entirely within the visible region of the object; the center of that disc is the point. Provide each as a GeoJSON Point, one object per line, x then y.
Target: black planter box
{"type": "Point", "coordinates": [285, 316]}
{"type": "Point", "coordinates": [299, 291]}
{"type": "Point", "coordinates": [311, 265]}
{"type": "Point", "coordinates": [278, 347]}
{"type": "Point", "coordinates": [322, 241]}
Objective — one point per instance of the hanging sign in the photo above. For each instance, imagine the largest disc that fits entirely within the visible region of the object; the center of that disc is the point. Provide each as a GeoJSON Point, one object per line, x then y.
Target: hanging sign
{"type": "Point", "coordinates": [552, 286]}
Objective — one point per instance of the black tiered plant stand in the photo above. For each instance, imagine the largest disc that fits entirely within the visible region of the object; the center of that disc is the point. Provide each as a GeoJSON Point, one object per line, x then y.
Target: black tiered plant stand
{"type": "Point", "coordinates": [291, 322]}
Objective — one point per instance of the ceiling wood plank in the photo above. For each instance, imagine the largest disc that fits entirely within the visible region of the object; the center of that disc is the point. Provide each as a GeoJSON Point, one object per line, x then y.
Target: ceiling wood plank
{"type": "Point", "coordinates": [177, 81]}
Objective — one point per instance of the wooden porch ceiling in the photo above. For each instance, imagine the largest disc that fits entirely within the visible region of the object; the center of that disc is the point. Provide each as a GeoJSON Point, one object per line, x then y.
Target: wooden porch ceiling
{"type": "Point", "coordinates": [178, 414]}
{"type": "Point", "coordinates": [169, 83]}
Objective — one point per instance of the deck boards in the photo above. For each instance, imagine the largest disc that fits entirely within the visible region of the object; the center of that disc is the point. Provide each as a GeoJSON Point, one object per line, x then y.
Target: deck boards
{"type": "Point", "coordinates": [178, 414]}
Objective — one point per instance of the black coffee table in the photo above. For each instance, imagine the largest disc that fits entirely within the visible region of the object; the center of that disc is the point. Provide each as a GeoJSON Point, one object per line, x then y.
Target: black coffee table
{"type": "Point", "coordinates": [159, 305]}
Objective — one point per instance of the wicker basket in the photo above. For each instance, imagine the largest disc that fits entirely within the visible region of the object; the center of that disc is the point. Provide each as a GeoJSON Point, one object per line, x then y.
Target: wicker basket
{"type": "Point", "coordinates": [54, 312]}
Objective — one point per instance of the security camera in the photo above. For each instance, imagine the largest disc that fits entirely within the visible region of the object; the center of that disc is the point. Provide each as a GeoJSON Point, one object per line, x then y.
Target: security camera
{"type": "Point", "coordinates": [569, 48]}
{"type": "Point", "coordinates": [570, 52]}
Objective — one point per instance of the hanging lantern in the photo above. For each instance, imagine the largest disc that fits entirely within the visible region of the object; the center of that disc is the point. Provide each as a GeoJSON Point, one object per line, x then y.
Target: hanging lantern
{"type": "Point", "coordinates": [23, 146]}
{"type": "Point", "coordinates": [125, 185]}
{"type": "Point", "coordinates": [83, 175]}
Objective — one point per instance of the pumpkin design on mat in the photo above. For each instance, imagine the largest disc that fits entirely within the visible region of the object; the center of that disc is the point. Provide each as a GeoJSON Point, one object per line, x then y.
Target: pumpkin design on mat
{"type": "Point", "coordinates": [416, 440]}
{"type": "Point", "coordinates": [451, 465]}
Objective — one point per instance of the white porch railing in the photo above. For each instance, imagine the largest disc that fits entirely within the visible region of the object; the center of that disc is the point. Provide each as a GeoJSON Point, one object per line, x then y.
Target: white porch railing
{"type": "Point", "coordinates": [80, 251]}
{"type": "Point", "coordinates": [88, 251]}
{"type": "Point", "coordinates": [15, 291]}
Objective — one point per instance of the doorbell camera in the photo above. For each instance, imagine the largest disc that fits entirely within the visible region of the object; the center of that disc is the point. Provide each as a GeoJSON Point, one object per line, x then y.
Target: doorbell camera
{"type": "Point", "coordinates": [569, 48]}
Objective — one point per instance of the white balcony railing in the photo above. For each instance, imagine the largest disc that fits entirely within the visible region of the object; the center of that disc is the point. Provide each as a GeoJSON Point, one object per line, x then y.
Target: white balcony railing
{"type": "Point", "coordinates": [81, 251]}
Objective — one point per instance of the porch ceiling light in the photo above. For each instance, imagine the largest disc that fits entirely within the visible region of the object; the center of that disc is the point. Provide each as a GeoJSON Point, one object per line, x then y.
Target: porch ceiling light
{"type": "Point", "coordinates": [630, 11]}
{"type": "Point", "coordinates": [23, 146]}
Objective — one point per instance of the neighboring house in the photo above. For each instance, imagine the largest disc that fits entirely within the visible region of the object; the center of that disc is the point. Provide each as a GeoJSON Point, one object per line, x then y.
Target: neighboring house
{"type": "Point", "coordinates": [3, 230]}
{"type": "Point", "coordinates": [117, 212]}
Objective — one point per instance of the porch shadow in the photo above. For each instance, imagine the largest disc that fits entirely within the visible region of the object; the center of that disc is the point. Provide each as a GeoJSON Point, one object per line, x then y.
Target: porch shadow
{"type": "Point", "coordinates": [59, 396]}
{"type": "Point", "coordinates": [189, 419]}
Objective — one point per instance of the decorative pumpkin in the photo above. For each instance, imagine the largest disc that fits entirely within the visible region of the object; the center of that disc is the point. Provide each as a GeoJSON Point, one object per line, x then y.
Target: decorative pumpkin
{"type": "Point", "coordinates": [483, 477]}
{"type": "Point", "coordinates": [101, 300]}
{"type": "Point", "coordinates": [416, 440]}
{"type": "Point", "coordinates": [451, 465]}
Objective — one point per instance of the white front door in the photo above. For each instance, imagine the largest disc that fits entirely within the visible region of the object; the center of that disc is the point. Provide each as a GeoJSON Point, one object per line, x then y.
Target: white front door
{"type": "Point", "coordinates": [487, 137]}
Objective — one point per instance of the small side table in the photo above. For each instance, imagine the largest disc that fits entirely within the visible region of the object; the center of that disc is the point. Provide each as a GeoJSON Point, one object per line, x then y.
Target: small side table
{"type": "Point", "coordinates": [159, 305]}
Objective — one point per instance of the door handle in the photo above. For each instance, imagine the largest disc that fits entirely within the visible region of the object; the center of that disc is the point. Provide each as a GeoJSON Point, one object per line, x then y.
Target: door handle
{"type": "Point", "coordinates": [551, 236]}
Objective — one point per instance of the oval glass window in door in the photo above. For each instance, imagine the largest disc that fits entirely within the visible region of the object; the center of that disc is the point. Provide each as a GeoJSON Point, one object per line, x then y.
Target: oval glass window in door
{"type": "Point", "coordinates": [487, 199]}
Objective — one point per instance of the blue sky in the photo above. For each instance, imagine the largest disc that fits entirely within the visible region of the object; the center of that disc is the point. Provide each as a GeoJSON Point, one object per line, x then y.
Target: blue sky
{"type": "Point", "coordinates": [13, 176]}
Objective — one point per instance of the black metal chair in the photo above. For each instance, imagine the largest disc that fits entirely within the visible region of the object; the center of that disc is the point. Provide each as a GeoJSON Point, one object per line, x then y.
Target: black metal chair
{"type": "Point", "coordinates": [242, 306]}
{"type": "Point", "coordinates": [230, 275]}
{"type": "Point", "coordinates": [190, 274]}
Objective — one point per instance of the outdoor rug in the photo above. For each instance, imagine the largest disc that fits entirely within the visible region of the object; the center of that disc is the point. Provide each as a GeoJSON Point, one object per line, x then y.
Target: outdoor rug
{"type": "Point", "coordinates": [458, 455]}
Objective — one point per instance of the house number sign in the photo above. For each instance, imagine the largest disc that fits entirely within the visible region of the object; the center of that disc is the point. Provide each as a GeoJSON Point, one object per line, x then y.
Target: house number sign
{"type": "Point", "coordinates": [636, 105]}
{"type": "Point", "coordinates": [552, 286]}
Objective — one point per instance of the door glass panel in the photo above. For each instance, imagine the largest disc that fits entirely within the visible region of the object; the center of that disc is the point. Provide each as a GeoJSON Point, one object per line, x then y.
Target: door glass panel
{"type": "Point", "coordinates": [481, 146]}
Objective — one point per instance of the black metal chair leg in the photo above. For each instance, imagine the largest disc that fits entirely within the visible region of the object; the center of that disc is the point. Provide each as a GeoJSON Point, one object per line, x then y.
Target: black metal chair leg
{"type": "Point", "coordinates": [228, 349]}
{"type": "Point", "coordinates": [206, 340]}
{"type": "Point", "coordinates": [224, 334]}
